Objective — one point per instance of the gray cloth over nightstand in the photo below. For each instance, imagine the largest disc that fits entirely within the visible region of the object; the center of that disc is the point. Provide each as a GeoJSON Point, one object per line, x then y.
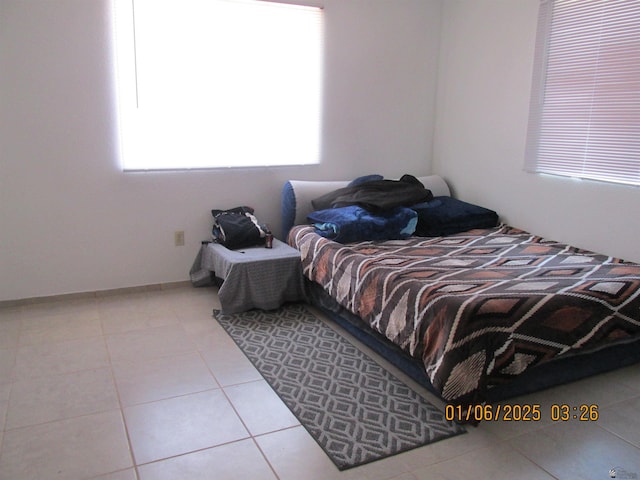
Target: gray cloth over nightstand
{"type": "Point", "coordinates": [254, 277]}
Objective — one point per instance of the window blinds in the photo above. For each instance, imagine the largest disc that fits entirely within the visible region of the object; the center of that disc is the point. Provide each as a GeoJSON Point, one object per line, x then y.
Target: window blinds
{"type": "Point", "coordinates": [585, 107]}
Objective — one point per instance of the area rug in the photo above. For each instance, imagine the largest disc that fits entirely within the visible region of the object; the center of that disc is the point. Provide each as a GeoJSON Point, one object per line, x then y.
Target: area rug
{"type": "Point", "coordinates": [356, 410]}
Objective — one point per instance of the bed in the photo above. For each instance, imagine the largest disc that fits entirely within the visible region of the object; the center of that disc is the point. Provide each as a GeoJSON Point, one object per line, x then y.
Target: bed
{"type": "Point", "coordinates": [478, 315]}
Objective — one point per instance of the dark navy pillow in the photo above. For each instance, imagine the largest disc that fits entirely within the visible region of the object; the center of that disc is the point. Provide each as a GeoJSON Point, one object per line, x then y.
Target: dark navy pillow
{"type": "Point", "coordinates": [447, 215]}
{"type": "Point", "coordinates": [365, 178]}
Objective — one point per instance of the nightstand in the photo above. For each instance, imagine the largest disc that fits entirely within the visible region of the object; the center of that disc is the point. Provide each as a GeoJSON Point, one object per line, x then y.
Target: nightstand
{"type": "Point", "coordinates": [255, 277]}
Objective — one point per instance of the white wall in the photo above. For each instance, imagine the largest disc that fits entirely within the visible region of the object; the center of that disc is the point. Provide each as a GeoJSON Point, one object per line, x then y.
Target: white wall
{"type": "Point", "coordinates": [484, 81]}
{"type": "Point", "coordinates": [70, 221]}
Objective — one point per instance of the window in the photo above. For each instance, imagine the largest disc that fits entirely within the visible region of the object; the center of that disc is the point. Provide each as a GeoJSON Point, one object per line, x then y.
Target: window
{"type": "Point", "coordinates": [585, 108]}
{"type": "Point", "coordinates": [217, 83]}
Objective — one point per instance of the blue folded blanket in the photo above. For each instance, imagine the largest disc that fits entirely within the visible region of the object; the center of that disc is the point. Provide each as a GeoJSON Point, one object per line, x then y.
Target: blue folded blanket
{"type": "Point", "coordinates": [355, 224]}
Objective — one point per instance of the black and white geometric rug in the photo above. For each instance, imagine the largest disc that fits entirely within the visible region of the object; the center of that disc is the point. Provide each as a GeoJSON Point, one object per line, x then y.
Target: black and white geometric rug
{"type": "Point", "coordinates": [356, 410]}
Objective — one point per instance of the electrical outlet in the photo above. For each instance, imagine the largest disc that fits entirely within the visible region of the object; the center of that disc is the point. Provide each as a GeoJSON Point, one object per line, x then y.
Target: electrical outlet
{"type": "Point", "coordinates": [178, 237]}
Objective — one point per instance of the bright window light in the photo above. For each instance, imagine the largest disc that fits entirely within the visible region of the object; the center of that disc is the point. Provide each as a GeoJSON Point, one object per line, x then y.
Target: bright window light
{"type": "Point", "coordinates": [217, 83]}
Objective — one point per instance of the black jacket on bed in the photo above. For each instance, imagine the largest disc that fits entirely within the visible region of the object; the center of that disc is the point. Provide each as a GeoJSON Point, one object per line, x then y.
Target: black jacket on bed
{"type": "Point", "coordinates": [377, 195]}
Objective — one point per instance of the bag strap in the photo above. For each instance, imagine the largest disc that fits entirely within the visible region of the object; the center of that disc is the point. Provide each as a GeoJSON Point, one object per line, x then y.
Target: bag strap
{"type": "Point", "coordinates": [239, 210]}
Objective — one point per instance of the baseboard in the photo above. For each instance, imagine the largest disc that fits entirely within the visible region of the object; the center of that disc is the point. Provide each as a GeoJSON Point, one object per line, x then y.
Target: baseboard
{"type": "Point", "coordinates": [93, 294]}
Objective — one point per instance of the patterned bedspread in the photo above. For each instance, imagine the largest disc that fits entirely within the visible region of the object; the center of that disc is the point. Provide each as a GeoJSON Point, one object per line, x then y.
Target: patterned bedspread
{"type": "Point", "coordinates": [480, 307]}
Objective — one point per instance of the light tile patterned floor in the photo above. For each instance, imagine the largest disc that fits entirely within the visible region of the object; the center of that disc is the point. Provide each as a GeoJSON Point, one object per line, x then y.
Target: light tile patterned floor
{"type": "Point", "coordinates": [148, 386]}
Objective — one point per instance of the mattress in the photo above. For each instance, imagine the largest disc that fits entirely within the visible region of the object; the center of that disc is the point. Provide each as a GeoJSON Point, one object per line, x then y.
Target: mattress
{"type": "Point", "coordinates": [479, 308]}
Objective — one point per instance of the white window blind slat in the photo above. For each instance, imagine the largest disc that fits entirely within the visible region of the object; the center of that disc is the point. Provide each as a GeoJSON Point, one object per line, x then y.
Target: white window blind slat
{"type": "Point", "coordinates": [585, 104]}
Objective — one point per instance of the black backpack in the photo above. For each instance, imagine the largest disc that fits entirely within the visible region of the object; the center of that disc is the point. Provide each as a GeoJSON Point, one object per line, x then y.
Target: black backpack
{"type": "Point", "coordinates": [237, 228]}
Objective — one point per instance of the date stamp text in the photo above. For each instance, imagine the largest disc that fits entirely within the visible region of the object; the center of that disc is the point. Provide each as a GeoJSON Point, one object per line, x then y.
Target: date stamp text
{"type": "Point", "coordinates": [521, 412]}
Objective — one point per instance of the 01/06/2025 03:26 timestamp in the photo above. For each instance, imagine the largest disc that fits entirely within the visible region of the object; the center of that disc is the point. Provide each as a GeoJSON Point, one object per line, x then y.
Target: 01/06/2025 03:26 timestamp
{"type": "Point", "coordinates": [521, 412]}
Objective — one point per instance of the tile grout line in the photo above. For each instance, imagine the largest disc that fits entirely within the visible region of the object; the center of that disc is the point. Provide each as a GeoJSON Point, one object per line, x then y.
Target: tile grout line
{"type": "Point", "coordinates": [252, 436]}
{"type": "Point", "coordinates": [218, 387]}
{"type": "Point", "coordinates": [122, 415]}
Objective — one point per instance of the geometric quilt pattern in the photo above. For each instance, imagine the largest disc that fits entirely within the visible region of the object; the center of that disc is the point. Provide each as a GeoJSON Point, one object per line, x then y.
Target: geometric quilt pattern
{"type": "Point", "coordinates": [357, 411]}
{"type": "Point", "coordinates": [479, 307]}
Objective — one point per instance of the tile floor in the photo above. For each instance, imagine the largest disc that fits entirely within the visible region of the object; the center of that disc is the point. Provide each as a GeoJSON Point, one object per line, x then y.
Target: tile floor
{"type": "Point", "coordinates": [148, 386]}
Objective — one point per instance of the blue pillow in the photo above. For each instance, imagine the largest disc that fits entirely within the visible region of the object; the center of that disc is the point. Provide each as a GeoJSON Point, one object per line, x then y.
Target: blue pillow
{"type": "Point", "coordinates": [288, 209]}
